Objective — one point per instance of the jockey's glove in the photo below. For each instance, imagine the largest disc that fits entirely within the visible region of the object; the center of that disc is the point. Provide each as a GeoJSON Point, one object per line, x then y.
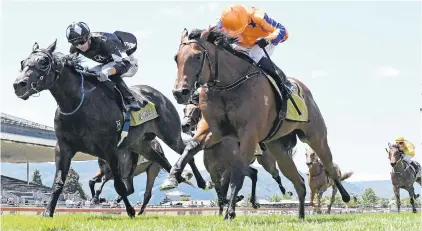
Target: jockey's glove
{"type": "Point", "coordinates": [103, 75]}
{"type": "Point", "coordinates": [263, 42]}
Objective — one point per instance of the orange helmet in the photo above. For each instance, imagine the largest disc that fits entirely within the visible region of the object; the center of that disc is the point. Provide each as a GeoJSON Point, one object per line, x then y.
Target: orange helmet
{"type": "Point", "coordinates": [234, 19]}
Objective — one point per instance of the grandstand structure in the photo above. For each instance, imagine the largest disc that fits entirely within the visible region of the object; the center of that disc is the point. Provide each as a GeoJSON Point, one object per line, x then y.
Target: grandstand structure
{"type": "Point", "coordinates": [24, 141]}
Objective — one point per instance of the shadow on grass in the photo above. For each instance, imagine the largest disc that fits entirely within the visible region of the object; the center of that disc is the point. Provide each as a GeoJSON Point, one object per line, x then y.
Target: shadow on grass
{"type": "Point", "coordinates": [308, 220]}
{"type": "Point", "coordinates": [122, 217]}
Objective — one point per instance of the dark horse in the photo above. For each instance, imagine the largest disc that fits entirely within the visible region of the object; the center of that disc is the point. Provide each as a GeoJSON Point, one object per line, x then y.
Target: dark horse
{"type": "Point", "coordinates": [403, 176]}
{"type": "Point", "coordinates": [89, 119]}
{"type": "Point", "coordinates": [191, 116]}
{"type": "Point", "coordinates": [150, 167]}
{"type": "Point", "coordinates": [237, 100]}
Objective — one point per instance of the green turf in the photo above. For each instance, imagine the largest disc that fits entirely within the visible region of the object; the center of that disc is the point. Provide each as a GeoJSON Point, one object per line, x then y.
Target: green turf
{"type": "Point", "coordinates": [372, 222]}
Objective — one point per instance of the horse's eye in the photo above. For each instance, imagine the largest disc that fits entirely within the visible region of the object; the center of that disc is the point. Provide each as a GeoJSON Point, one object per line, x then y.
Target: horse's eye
{"type": "Point", "coordinates": [43, 61]}
{"type": "Point", "coordinates": [198, 57]}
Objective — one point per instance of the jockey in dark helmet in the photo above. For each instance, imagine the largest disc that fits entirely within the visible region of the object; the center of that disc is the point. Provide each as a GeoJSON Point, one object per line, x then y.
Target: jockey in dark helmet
{"type": "Point", "coordinates": [114, 52]}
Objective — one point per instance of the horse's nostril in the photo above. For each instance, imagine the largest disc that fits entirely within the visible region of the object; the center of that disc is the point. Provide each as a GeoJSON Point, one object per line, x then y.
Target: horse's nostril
{"type": "Point", "coordinates": [185, 91]}
{"type": "Point", "coordinates": [393, 164]}
{"type": "Point", "coordinates": [19, 84]}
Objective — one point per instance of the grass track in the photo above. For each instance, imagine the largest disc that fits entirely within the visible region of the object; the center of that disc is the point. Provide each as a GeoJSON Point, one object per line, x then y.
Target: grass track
{"type": "Point", "coordinates": [372, 222]}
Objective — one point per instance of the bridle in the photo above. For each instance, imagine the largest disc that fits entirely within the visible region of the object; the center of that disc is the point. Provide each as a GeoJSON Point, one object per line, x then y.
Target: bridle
{"type": "Point", "coordinates": [213, 81]}
{"type": "Point", "coordinates": [45, 71]}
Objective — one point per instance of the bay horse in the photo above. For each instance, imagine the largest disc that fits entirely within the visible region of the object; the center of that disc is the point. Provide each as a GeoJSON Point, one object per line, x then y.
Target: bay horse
{"type": "Point", "coordinates": [319, 182]}
{"type": "Point", "coordinates": [192, 115]}
{"type": "Point", "coordinates": [237, 100]}
{"type": "Point", "coordinates": [90, 119]}
{"type": "Point", "coordinates": [403, 175]}
{"type": "Point", "coordinates": [144, 165]}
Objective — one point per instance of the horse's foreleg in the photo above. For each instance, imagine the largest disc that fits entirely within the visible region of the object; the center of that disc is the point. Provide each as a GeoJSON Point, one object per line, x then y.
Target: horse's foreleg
{"type": "Point", "coordinates": [396, 190]}
{"type": "Point", "coordinates": [63, 156]}
{"type": "Point", "coordinates": [253, 174]}
{"type": "Point", "coordinates": [333, 197]}
{"type": "Point", "coordinates": [311, 201]}
{"type": "Point", "coordinates": [236, 183]}
{"type": "Point", "coordinates": [318, 207]}
{"type": "Point", "coordinates": [119, 185]}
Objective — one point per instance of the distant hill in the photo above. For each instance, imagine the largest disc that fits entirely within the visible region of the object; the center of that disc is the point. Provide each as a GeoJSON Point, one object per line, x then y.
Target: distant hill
{"type": "Point", "coordinates": [265, 189]}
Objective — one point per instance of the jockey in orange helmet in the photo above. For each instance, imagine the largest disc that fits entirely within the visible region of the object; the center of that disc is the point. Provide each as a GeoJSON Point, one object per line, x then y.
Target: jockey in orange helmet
{"type": "Point", "coordinates": [255, 31]}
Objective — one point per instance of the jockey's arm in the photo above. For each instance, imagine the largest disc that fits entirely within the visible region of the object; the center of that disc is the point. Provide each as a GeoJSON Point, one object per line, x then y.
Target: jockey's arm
{"type": "Point", "coordinates": [278, 32]}
{"type": "Point", "coordinates": [121, 66]}
{"type": "Point", "coordinates": [410, 149]}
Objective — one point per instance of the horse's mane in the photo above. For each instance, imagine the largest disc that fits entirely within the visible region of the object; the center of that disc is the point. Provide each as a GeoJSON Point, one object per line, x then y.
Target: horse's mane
{"type": "Point", "coordinates": [69, 60]}
{"type": "Point", "coordinates": [220, 39]}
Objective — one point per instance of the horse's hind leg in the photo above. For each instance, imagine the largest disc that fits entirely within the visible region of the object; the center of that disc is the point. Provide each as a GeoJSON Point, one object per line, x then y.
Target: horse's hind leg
{"type": "Point", "coordinates": [152, 173]}
{"type": "Point", "coordinates": [268, 162]}
{"type": "Point", "coordinates": [320, 145]}
{"type": "Point", "coordinates": [333, 197]}
{"type": "Point", "coordinates": [411, 191]}
{"type": "Point", "coordinates": [289, 170]}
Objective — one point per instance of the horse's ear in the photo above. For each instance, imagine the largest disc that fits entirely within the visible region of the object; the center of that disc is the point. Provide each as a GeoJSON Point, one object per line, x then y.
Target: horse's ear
{"type": "Point", "coordinates": [35, 46]}
{"type": "Point", "coordinates": [386, 150]}
{"type": "Point", "coordinates": [52, 46]}
{"type": "Point", "coordinates": [389, 145]}
{"type": "Point", "coordinates": [206, 33]}
{"type": "Point", "coordinates": [185, 34]}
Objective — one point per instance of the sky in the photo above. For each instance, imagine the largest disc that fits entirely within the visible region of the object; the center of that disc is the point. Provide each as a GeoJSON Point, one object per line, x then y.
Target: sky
{"type": "Point", "coordinates": [360, 59]}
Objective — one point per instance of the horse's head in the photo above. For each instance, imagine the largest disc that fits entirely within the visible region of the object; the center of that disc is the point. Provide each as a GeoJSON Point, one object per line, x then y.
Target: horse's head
{"type": "Point", "coordinates": [395, 154]}
{"type": "Point", "coordinates": [191, 116]}
{"type": "Point", "coordinates": [311, 156]}
{"type": "Point", "coordinates": [38, 72]}
{"type": "Point", "coordinates": [196, 61]}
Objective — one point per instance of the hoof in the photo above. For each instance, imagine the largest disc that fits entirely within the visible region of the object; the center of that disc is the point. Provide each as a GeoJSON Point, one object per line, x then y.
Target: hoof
{"type": "Point", "coordinates": [95, 201]}
{"type": "Point", "coordinates": [290, 193]}
{"type": "Point", "coordinates": [168, 184]}
{"type": "Point", "coordinates": [209, 185]}
{"type": "Point", "coordinates": [256, 205]}
{"type": "Point", "coordinates": [46, 213]}
{"type": "Point", "coordinates": [417, 196]}
{"type": "Point", "coordinates": [229, 216]}
{"type": "Point", "coordinates": [131, 212]}
{"type": "Point", "coordinates": [187, 176]}
{"type": "Point", "coordinates": [345, 198]}
{"type": "Point", "coordinates": [141, 212]}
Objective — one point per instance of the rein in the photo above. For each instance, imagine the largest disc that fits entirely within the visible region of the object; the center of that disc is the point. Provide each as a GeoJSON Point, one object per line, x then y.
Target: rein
{"type": "Point", "coordinates": [212, 83]}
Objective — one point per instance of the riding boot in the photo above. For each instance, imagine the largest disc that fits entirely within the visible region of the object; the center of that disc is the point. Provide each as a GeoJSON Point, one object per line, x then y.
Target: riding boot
{"type": "Point", "coordinates": [280, 79]}
{"type": "Point", "coordinates": [130, 101]}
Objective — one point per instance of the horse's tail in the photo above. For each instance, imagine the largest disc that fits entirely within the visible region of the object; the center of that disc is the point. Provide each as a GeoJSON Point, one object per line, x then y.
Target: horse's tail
{"type": "Point", "coordinates": [345, 176]}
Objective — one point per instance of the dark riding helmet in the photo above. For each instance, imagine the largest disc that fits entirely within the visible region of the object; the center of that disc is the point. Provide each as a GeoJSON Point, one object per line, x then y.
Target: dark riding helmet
{"type": "Point", "coordinates": [77, 32]}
